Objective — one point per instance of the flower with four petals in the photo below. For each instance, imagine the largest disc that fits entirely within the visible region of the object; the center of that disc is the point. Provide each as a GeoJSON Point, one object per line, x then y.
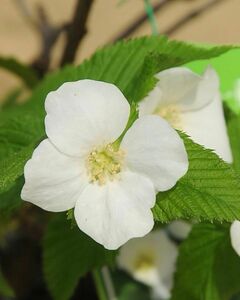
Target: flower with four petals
{"type": "Point", "coordinates": [88, 162]}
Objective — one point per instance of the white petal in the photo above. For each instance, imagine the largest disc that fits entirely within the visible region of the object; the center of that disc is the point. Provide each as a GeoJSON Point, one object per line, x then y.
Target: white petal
{"type": "Point", "coordinates": [154, 149]}
{"type": "Point", "coordinates": [179, 229]}
{"type": "Point", "coordinates": [160, 292]}
{"type": "Point", "coordinates": [182, 87]}
{"type": "Point", "coordinates": [53, 181]}
{"type": "Point", "coordinates": [189, 90]}
{"type": "Point", "coordinates": [207, 127]}
{"type": "Point", "coordinates": [150, 103]}
{"type": "Point", "coordinates": [163, 252]}
{"type": "Point", "coordinates": [235, 236]}
{"type": "Point", "coordinates": [176, 84]}
{"type": "Point", "coordinates": [115, 212]}
{"type": "Point", "coordinates": [84, 114]}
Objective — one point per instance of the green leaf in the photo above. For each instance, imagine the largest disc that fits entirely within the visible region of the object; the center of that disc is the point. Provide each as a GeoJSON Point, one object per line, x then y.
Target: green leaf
{"type": "Point", "coordinates": [10, 201]}
{"type": "Point", "coordinates": [18, 137]}
{"type": "Point", "coordinates": [12, 167]}
{"type": "Point", "coordinates": [236, 297]}
{"type": "Point", "coordinates": [207, 268]}
{"type": "Point", "coordinates": [25, 73]}
{"type": "Point", "coordinates": [5, 289]}
{"type": "Point", "coordinates": [129, 62]}
{"type": "Point", "coordinates": [11, 98]}
{"type": "Point", "coordinates": [209, 191]}
{"type": "Point", "coordinates": [233, 126]}
{"type": "Point", "coordinates": [68, 254]}
{"type": "Point", "coordinates": [129, 65]}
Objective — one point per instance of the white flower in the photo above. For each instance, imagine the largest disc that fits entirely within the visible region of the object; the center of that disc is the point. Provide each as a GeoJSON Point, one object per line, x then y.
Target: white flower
{"type": "Point", "coordinates": [150, 260]}
{"type": "Point", "coordinates": [179, 229]}
{"type": "Point", "coordinates": [235, 236]}
{"type": "Point", "coordinates": [191, 103]}
{"type": "Point", "coordinates": [110, 185]}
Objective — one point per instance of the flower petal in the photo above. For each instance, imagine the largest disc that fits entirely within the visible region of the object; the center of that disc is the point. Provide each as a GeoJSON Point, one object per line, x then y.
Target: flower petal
{"type": "Point", "coordinates": [157, 254]}
{"type": "Point", "coordinates": [176, 84]}
{"type": "Point", "coordinates": [184, 88]}
{"type": "Point", "coordinates": [207, 127]}
{"type": "Point", "coordinates": [204, 93]}
{"type": "Point", "coordinates": [179, 229]}
{"type": "Point", "coordinates": [235, 236]}
{"type": "Point", "coordinates": [53, 180]}
{"type": "Point", "coordinates": [119, 210]}
{"type": "Point", "coordinates": [84, 114]}
{"type": "Point", "coordinates": [154, 149]}
{"type": "Point", "coordinates": [150, 103]}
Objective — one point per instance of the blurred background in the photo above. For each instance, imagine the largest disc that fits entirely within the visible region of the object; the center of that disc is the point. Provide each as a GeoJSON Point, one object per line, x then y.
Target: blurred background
{"type": "Point", "coordinates": [30, 30]}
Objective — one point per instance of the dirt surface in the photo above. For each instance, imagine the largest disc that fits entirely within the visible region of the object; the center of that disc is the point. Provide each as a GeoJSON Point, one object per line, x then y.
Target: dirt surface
{"type": "Point", "coordinates": [18, 38]}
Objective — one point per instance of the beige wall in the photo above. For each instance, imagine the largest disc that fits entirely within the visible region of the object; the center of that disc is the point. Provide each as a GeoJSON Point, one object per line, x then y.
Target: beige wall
{"type": "Point", "coordinates": [18, 38]}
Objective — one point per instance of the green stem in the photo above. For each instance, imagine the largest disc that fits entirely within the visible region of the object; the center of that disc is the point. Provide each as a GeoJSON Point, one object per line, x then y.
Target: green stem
{"type": "Point", "coordinates": [100, 288]}
{"type": "Point", "coordinates": [151, 17]}
{"type": "Point", "coordinates": [132, 118]}
{"type": "Point", "coordinates": [106, 275]}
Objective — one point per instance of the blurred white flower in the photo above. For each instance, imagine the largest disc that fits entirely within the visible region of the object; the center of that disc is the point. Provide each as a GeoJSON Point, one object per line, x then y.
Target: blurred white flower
{"type": "Point", "coordinates": [111, 185]}
{"type": "Point", "coordinates": [150, 260]}
{"type": "Point", "coordinates": [179, 229]}
{"type": "Point", "coordinates": [235, 236]}
{"type": "Point", "coordinates": [191, 103]}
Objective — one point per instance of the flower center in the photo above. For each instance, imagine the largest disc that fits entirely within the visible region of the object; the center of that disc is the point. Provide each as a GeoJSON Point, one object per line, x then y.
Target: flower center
{"type": "Point", "coordinates": [172, 114]}
{"type": "Point", "coordinates": [144, 262]}
{"type": "Point", "coordinates": [104, 164]}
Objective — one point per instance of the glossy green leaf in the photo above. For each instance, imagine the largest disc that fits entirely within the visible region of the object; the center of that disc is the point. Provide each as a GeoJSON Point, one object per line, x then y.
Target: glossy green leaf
{"type": "Point", "coordinates": [68, 254]}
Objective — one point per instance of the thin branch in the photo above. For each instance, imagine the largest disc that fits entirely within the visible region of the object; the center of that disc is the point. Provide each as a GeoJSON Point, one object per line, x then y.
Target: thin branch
{"type": "Point", "coordinates": [193, 14]}
{"type": "Point", "coordinates": [139, 21]}
{"type": "Point", "coordinates": [25, 12]}
{"type": "Point", "coordinates": [76, 30]}
{"type": "Point", "coordinates": [108, 283]}
{"type": "Point", "coordinates": [48, 34]}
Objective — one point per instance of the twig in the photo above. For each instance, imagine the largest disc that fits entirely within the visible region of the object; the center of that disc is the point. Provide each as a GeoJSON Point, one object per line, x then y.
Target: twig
{"type": "Point", "coordinates": [76, 30]}
{"type": "Point", "coordinates": [195, 13]}
{"type": "Point", "coordinates": [49, 35]}
{"type": "Point", "coordinates": [139, 21]}
{"type": "Point", "coordinates": [23, 9]}
{"type": "Point", "coordinates": [108, 284]}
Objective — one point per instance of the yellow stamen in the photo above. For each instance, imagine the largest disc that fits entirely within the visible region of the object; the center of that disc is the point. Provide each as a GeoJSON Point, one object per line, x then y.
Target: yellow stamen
{"type": "Point", "coordinates": [104, 163]}
{"type": "Point", "coordinates": [144, 262]}
{"type": "Point", "coordinates": [172, 114]}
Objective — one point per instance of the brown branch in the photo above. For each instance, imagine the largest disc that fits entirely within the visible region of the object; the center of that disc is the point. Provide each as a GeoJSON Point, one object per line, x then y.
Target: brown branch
{"type": "Point", "coordinates": [26, 13]}
{"type": "Point", "coordinates": [195, 13]}
{"type": "Point", "coordinates": [76, 30]}
{"type": "Point", "coordinates": [49, 35]}
{"type": "Point", "coordinates": [138, 22]}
